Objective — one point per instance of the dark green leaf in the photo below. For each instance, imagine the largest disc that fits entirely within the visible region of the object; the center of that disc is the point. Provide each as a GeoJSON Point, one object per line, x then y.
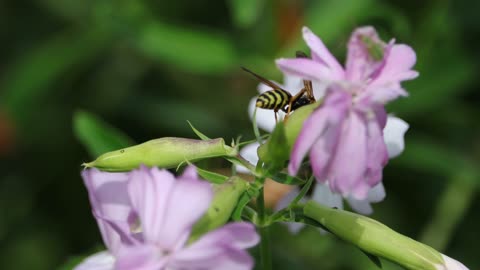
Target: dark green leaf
{"type": "Point", "coordinates": [98, 136]}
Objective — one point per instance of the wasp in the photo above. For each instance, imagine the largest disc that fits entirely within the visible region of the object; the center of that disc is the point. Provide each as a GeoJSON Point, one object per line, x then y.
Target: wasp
{"type": "Point", "coordinates": [280, 99]}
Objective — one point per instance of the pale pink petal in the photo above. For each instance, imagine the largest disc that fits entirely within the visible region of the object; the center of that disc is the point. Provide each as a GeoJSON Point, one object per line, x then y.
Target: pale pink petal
{"type": "Point", "coordinates": [141, 257]}
{"type": "Point", "coordinates": [166, 212]}
{"type": "Point", "coordinates": [399, 61]}
{"type": "Point", "coordinates": [360, 64]}
{"type": "Point", "coordinates": [330, 114]}
{"type": "Point", "coordinates": [109, 200]}
{"type": "Point", "coordinates": [322, 54]}
{"type": "Point", "coordinates": [348, 165]}
{"type": "Point", "coordinates": [305, 68]}
{"type": "Point", "coordinates": [381, 94]}
{"type": "Point", "coordinates": [99, 261]}
{"type": "Point", "coordinates": [150, 191]}
{"type": "Point", "coordinates": [323, 195]}
{"type": "Point", "coordinates": [190, 172]}
{"type": "Point", "coordinates": [187, 202]}
{"type": "Point", "coordinates": [360, 206]}
{"type": "Point", "coordinates": [450, 264]}
{"type": "Point", "coordinates": [248, 152]}
{"type": "Point", "coordinates": [224, 246]}
{"type": "Point", "coordinates": [376, 194]}
{"type": "Point", "coordinates": [292, 84]}
{"type": "Point", "coordinates": [376, 153]}
{"type": "Point", "coordinates": [393, 134]}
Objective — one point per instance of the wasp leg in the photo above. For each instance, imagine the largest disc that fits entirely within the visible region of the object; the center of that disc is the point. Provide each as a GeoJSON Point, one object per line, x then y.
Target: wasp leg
{"type": "Point", "coordinates": [276, 118]}
{"type": "Point", "coordinates": [292, 100]}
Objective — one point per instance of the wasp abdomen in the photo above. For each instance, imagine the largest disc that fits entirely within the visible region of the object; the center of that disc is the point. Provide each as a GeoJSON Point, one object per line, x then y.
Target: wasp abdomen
{"type": "Point", "coordinates": [273, 100]}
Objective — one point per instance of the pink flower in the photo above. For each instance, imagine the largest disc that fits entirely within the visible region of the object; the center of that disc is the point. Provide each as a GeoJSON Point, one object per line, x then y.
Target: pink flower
{"type": "Point", "coordinates": [344, 136]}
{"type": "Point", "coordinates": [161, 212]}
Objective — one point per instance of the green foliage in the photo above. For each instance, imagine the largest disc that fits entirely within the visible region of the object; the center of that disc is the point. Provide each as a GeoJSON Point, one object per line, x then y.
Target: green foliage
{"type": "Point", "coordinates": [97, 136]}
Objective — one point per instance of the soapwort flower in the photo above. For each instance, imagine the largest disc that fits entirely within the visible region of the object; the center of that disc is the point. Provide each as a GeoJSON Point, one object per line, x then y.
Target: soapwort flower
{"type": "Point", "coordinates": [148, 214]}
{"type": "Point", "coordinates": [344, 136]}
{"type": "Point", "coordinates": [393, 135]}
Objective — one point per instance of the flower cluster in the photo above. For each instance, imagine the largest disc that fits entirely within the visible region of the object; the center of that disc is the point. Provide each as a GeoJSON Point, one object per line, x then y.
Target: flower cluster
{"type": "Point", "coordinates": [145, 218]}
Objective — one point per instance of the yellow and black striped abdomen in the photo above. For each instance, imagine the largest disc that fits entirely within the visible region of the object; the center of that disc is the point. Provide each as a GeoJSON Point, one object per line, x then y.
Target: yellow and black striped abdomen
{"type": "Point", "coordinates": [273, 99]}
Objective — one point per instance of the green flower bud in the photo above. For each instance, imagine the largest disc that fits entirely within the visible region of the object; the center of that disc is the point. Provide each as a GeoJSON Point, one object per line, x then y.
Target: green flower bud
{"type": "Point", "coordinates": [166, 152]}
{"type": "Point", "coordinates": [378, 239]}
{"type": "Point", "coordinates": [223, 203]}
{"type": "Point", "coordinates": [292, 128]}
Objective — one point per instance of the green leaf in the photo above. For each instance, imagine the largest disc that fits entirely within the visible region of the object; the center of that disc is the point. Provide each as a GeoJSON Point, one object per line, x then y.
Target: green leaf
{"type": "Point", "coordinates": [245, 12]}
{"type": "Point", "coordinates": [286, 179]}
{"type": "Point", "coordinates": [191, 50]}
{"type": "Point", "coordinates": [199, 134]}
{"type": "Point", "coordinates": [98, 136]}
{"type": "Point", "coordinates": [211, 176]}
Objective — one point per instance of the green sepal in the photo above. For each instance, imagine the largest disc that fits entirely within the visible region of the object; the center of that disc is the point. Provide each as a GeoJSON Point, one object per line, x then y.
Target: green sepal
{"type": "Point", "coordinates": [277, 152]}
{"type": "Point", "coordinates": [251, 193]}
{"type": "Point", "coordinates": [212, 177]}
{"type": "Point", "coordinates": [224, 201]}
{"type": "Point", "coordinates": [198, 133]}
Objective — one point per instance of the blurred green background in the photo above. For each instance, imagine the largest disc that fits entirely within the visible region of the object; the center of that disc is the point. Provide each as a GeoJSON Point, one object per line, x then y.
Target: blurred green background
{"type": "Point", "coordinates": [147, 66]}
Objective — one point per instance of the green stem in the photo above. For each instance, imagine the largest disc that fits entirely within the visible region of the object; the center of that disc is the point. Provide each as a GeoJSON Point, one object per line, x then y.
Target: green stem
{"type": "Point", "coordinates": [265, 250]}
{"type": "Point", "coordinates": [302, 193]}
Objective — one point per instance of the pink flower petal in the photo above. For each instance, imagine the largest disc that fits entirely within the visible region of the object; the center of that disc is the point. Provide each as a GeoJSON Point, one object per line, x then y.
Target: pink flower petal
{"type": "Point", "coordinates": [99, 261]}
{"type": "Point", "coordinates": [223, 247]}
{"type": "Point", "coordinates": [350, 160]}
{"type": "Point", "coordinates": [398, 64]}
{"type": "Point", "coordinates": [149, 191]}
{"type": "Point", "coordinates": [325, 117]}
{"type": "Point", "coordinates": [360, 64]}
{"type": "Point", "coordinates": [141, 257]}
{"type": "Point", "coordinates": [167, 214]}
{"type": "Point", "coordinates": [321, 54]}
{"type": "Point", "coordinates": [376, 152]}
{"type": "Point", "coordinates": [109, 199]}
{"type": "Point", "coordinates": [305, 68]}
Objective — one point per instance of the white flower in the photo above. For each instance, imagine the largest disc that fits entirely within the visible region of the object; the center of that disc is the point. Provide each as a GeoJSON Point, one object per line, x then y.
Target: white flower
{"type": "Point", "coordinates": [450, 264]}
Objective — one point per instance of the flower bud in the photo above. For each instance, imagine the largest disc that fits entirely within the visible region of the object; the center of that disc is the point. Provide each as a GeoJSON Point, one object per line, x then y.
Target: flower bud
{"type": "Point", "coordinates": [292, 128]}
{"type": "Point", "coordinates": [165, 152]}
{"type": "Point", "coordinates": [224, 201]}
{"type": "Point", "coordinates": [375, 238]}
